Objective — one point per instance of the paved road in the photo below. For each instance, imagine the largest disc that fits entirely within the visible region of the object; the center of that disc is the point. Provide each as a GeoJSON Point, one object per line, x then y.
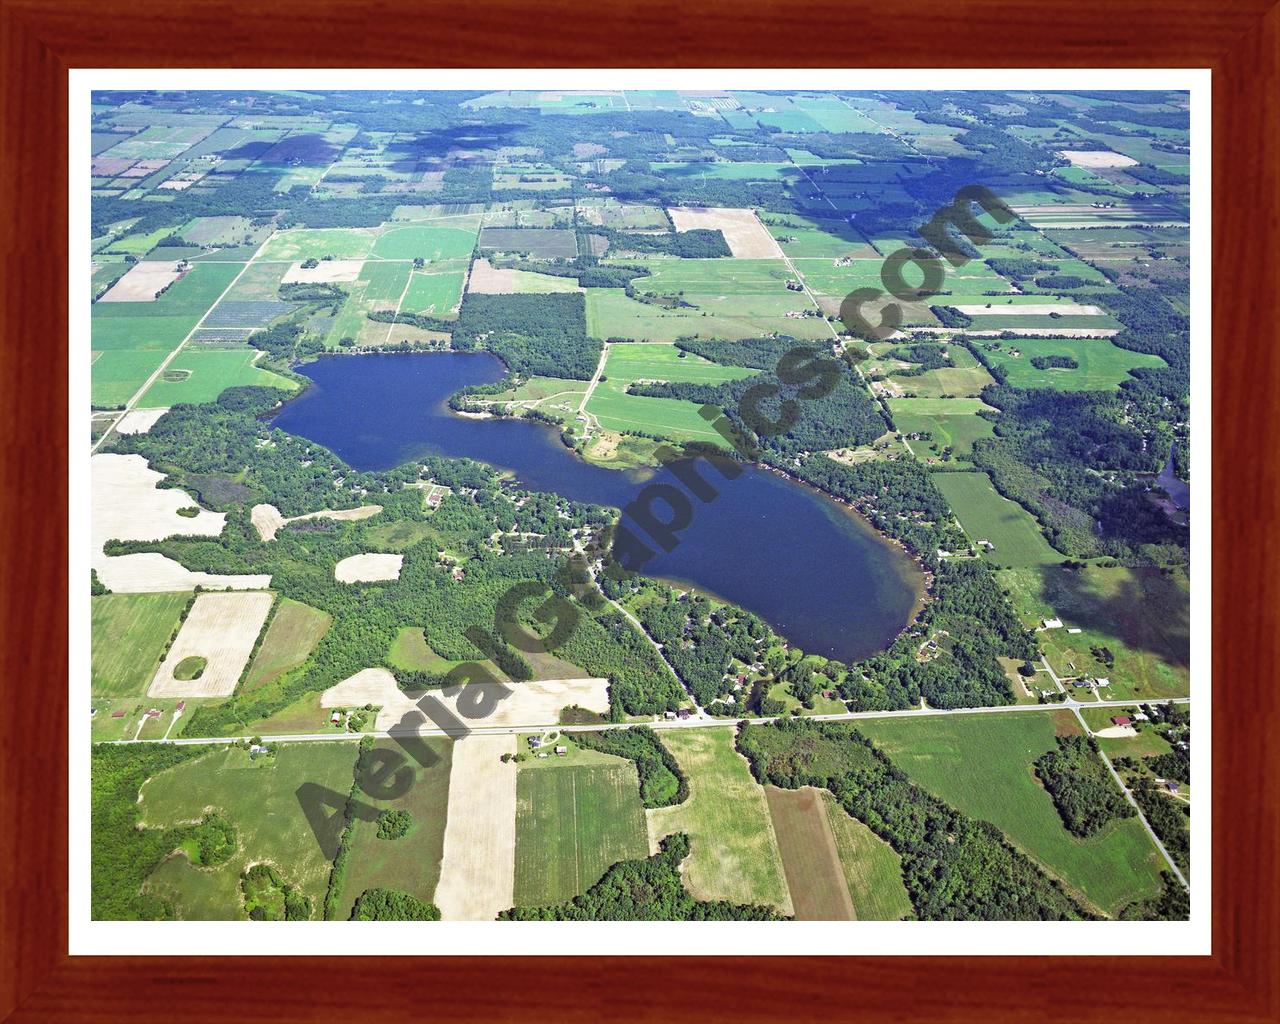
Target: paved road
{"type": "Point", "coordinates": [701, 721]}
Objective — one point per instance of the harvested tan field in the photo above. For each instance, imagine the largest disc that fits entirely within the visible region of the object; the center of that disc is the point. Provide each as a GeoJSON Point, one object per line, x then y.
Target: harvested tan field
{"type": "Point", "coordinates": [477, 871]}
{"type": "Point", "coordinates": [142, 282]}
{"type": "Point", "coordinates": [488, 280]}
{"type": "Point", "coordinates": [1097, 158]}
{"type": "Point", "coordinates": [1032, 309]}
{"type": "Point", "coordinates": [326, 272]}
{"type": "Point", "coordinates": [370, 568]}
{"type": "Point", "coordinates": [127, 505]}
{"type": "Point", "coordinates": [535, 703]}
{"type": "Point", "coordinates": [268, 521]}
{"type": "Point", "coordinates": [745, 235]}
{"type": "Point", "coordinates": [222, 629]}
{"type": "Point", "coordinates": [139, 421]}
{"type": "Point", "coordinates": [1116, 732]}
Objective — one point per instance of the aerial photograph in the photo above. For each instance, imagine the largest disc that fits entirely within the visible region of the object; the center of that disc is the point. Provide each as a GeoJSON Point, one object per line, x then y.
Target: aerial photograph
{"type": "Point", "coordinates": [637, 505]}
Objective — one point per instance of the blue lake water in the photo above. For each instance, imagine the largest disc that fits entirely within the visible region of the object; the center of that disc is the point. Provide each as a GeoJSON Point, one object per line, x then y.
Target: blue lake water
{"type": "Point", "coordinates": [821, 576]}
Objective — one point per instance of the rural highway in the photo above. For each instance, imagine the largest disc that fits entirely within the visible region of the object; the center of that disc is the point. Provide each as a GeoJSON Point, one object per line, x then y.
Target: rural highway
{"type": "Point", "coordinates": [702, 721]}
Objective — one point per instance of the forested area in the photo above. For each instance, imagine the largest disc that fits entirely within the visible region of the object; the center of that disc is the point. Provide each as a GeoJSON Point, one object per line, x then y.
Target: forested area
{"type": "Point", "coordinates": [221, 441]}
{"type": "Point", "coordinates": [532, 334]}
{"type": "Point", "coordinates": [122, 855]}
{"type": "Point", "coordinates": [392, 905]}
{"type": "Point", "coordinates": [1170, 819]}
{"type": "Point", "coordinates": [699, 640]}
{"type": "Point", "coordinates": [695, 244]}
{"type": "Point", "coordinates": [803, 400]}
{"type": "Point", "coordinates": [1070, 458]}
{"type": "Point", "coordinates": [1083, 790]}
{"type": "Point", "coordinates": [643, 890]}
{"type": "Point", "coordinates": [954, 867]}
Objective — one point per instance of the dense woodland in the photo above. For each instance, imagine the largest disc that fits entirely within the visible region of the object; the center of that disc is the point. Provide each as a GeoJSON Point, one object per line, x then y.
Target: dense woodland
{"type": "Point", "coordinates": [1082, 789]}
{"type": "Point", "coordinates": [532, 334]}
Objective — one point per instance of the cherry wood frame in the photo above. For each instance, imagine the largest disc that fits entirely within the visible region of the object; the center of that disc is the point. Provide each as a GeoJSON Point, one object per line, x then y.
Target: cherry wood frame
{"type": "Point", "coordinates": [41, 39]}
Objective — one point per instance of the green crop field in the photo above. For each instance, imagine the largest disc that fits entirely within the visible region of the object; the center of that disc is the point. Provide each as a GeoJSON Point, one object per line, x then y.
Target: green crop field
{"type": "Point", "coordinates": [117, 375]}
{"type": "Point", "coordinates": [669, 417]}
{"type": "Point", "coordinates": [136, 245]}
{"type": "Point", "coordinates": [120, 333]}
{"type": "Point", "coordinates": [316, 243]}
{"type": "Point", "coordinates": [207, 374]}
{"type": "Point", "coordinates": [610, 313]}
{"type": "Point", "coordinates": [572, 823]}
{"type": "Point", "coordinates": [429, 242]}
{"type": "Point", "coordinates": [951, 422]}
{"type": "Point", "coordinates": [872, 870]}
{"type": "Point", "coordinates": [437, 294]}
{"type": "Point", "coordinates": [410, 863]}
{"type": "Point", "coordinates": [985, 515]}
{"type": "Point", "coordinates": [1044, 322]}
{"type": "Point", "coordinates": [827, 279]}
{"type": "Point", "coordinates": [1139, 615]}
{"type": "Point", "coordinates": [982, 765]}
{"type": "Point", "coordinates": [378, 288]}
{"type": "Point", "coordinates": [259, 797]}
{"type": "Point", "coordinates": [1102, 365]}
{"type": "Point", "coordinates": [806, 238]}
{"type": "Point", "coordinates": [130, 633]}
{"type": "Point", "coordinates": [188, 298]}
{"type": "Point", "coordinates": [294, 631]}
{"type": "Point", "coordinates": [965, 379]}
{"type": "Point", "coordinates": [734, 853]}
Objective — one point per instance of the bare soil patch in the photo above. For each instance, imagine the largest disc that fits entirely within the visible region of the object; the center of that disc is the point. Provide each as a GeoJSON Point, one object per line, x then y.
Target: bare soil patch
{"type": "Point", "coordinates": [1032, 309]}
{"type": "Point", "coordinates": [370, 568]}
{"type": "Point", "coordinates": [143, 281]}
{"type": "Point", "coordinates": [1093, 158]}
{"type": "Point", "coordinates": [477, 871]}
{"type": "Point", "coordinates": [127, 505]}
{"type": "Point", "coordinates": [745, 235]}
{"type": "Point", "coordinates": [325, 272]}
{"type": "Point", "coordinates": [268, 521]}
{"type": "Point", "coordinates": [534, 703]}
{"type": "Point", "coordinates": [139, 421]}
{"type": "Point", "coordinates": [810, 859]}
{"type": "Point", "coordinates": [221, 629]}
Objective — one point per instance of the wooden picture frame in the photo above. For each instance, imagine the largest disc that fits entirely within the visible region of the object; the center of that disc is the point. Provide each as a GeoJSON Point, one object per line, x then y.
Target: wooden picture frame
{"type": "Point", "coordinates": [41, 40]}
